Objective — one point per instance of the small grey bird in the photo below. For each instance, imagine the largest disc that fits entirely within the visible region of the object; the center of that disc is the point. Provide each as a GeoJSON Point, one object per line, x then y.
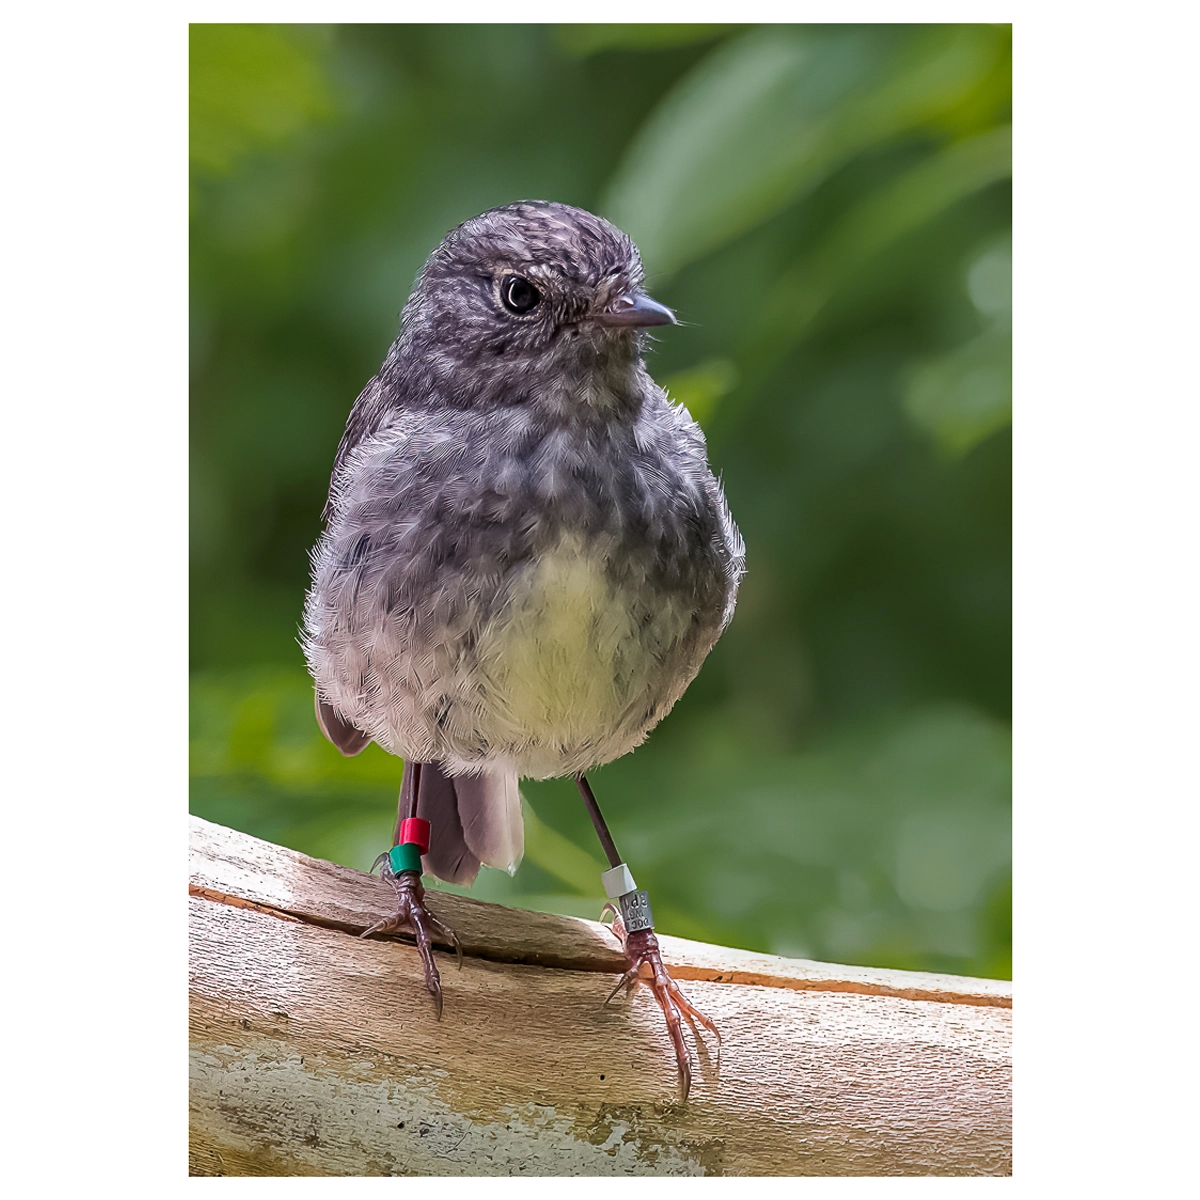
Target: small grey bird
{"type": "Point", "coordinates": [526, 557]}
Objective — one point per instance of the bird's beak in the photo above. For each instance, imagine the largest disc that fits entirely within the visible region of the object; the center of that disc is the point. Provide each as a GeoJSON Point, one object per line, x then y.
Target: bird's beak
{"type": "Point", "coordinates": [635, 311]}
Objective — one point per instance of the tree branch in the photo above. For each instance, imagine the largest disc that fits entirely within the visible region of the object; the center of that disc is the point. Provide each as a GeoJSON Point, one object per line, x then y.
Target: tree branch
{"type": "Point", "coordinates": [316, 1053]}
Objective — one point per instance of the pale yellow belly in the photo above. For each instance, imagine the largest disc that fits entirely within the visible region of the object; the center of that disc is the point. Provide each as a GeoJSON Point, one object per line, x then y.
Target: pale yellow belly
{"type": "Point", "coordinates": [572, 664]}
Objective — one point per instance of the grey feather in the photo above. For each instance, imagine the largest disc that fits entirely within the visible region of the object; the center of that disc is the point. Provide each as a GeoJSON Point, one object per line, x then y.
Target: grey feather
{"type": "Point", "coordinates": [489, 806]}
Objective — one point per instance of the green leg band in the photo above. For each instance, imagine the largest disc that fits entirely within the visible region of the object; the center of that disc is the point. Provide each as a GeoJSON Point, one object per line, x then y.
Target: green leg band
{"type": "Point", "coordinates": [405, 858]}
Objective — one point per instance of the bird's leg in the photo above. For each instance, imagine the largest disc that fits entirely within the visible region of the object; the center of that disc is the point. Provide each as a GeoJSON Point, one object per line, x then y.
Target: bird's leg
{"type": "Point", "coordinates": [401, 867]}
{"type": "Point", "coordinates": [412, 915]}
{"type": "Point", "coordinates": [633, 926]}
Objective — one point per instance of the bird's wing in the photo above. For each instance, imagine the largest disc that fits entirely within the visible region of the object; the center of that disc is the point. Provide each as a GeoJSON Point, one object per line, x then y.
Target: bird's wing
{"type": "Point", "coordinates": [374, 406]}
{"type": "Point", "coordinates": [342, 734]}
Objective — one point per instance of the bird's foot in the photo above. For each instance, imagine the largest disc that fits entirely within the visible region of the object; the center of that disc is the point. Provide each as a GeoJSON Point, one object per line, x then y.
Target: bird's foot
{"type": "Point", "coordinates": [645, 965]}
{"type": "Point", "coordinates": [412, 916]}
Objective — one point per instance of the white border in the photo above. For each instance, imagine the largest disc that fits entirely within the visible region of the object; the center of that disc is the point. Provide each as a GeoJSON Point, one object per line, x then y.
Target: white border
{"type": "Point", "coordinates": [95, 445]}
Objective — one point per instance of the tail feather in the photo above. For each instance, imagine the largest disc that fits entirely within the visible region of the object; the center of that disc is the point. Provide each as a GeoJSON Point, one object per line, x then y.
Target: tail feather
{"type": "Point", "coordinates": [473, 819]}
{"type": "Point", "coordinates": [489, 807]}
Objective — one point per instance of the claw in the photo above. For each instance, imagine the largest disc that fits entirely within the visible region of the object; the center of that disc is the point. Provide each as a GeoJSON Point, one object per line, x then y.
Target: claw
{"type": "Point", "coordinates": [412, 916]}
{"type": "Point", "coordinates": [628, 980]}
{"type": "Point", "coordinates": [641, 949]}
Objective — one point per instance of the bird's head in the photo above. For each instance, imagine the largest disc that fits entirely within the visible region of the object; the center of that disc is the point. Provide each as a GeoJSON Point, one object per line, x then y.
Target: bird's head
{"type": "Point", "coordinates": [533, 291]}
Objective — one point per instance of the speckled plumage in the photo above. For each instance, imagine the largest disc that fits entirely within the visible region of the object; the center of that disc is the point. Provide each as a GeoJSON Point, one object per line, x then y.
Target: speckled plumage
{"type": "Point", "coordinates": [526, 557]}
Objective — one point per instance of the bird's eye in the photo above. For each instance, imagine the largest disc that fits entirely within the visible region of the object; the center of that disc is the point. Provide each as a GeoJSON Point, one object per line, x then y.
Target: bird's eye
{"type": "Point", "coordinates": [519, 295]}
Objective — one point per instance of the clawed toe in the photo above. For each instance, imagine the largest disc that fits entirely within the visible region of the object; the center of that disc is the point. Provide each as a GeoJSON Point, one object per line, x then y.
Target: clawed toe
{"type": "Point", "coordinates": [627, 981]}
{"type": "Point", "coordinates": [393, 924]}
{"type": "Point", "coordinates": [641, 949]}
{"type": "Point", "coordinates": [412, 916]}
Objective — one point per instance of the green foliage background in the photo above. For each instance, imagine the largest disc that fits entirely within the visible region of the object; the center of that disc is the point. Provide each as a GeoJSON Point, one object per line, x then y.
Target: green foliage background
{"type": "Point", "coordinates": [828, 209]}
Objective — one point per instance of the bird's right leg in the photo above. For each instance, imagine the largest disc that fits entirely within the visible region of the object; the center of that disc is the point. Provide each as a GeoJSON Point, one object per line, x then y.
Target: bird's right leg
{"type": "Point", "coordinates": [633, 926]}
{"type": "Point", "coordinates": [401, 867]}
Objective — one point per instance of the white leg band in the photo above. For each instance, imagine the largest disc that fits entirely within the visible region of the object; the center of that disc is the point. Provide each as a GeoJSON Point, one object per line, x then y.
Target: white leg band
{"type": "Point", "coordinates": [618, 882]}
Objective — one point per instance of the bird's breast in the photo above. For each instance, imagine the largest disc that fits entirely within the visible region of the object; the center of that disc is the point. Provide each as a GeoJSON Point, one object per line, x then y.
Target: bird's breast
{"type": "Point", "coordinates": [577, 654]}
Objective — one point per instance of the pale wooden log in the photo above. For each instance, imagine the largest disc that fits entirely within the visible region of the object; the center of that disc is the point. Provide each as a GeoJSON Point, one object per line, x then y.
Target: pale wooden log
{"type": "Point", "coordinates": [317, 1053]}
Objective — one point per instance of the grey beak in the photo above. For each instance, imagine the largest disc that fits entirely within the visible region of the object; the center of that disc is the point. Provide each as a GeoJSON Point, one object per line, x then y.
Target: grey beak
{"type": "Point", "coordinates": [636, 311]}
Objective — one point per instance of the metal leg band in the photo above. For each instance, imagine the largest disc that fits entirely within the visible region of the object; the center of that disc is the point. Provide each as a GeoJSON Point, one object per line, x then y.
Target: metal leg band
{"type": "Point", "coordinates": [635, 911]}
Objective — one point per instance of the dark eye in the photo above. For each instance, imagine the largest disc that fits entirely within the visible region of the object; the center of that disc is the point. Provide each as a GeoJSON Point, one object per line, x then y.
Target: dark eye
{"type": "Point", "coordinates": [519, 295]}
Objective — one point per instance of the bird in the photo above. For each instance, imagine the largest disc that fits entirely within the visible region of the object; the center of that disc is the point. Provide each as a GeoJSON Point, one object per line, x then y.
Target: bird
{"type": "Point", "coordinates": [525, 559]}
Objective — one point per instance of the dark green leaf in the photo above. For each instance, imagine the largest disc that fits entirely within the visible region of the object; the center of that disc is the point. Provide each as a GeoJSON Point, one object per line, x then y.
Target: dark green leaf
{"type": "Point", "coordinates": [251, 86]}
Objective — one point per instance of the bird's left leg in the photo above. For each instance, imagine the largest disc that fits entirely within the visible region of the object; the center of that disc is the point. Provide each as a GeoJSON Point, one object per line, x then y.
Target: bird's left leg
{"type": "Point", "coordinates": [633, 926]}
{"type": "Point", "coordinates": [401, 867]}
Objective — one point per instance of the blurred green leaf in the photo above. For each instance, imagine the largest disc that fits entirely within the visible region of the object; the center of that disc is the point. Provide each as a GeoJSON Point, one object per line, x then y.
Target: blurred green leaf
{"type": "Point", "coordinates": [996, 932]}
{"type": "Point", "coordinates": [764, 118]}
{"type": "Point", "coordinates": [583, 39]}
{"type": "Point", "coordinates": [260, 722]}
{"type": "Point", "coordinates": [250, 87]}
{"type": "Point", "coordinates": [559, 857]}
{"type": "Point", "coordinates": [946, 857]}
{"type": "Point", "coordinates": [966, 395]}
{"type": "Point", "coordinates": [989, 281]}
{"type": "Point", "coordinates": [904, 205]}
{"type": "Point", "coordinates": [700, 388]}
{"type": "Point", "coordinates": [881, 219]}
